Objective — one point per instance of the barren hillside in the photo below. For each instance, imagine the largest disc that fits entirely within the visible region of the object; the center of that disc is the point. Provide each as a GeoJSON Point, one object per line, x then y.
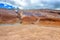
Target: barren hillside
{"type": "Point", "coordinates": [45, 29]}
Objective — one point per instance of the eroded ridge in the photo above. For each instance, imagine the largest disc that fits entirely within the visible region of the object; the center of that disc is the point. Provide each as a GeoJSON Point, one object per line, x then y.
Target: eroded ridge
{"type": "Point", "coordinates": [38, 16]}
{"type": "Point", "coordinates": [8, 16]}
{"type": "Point", "coordinates": [30, 16]}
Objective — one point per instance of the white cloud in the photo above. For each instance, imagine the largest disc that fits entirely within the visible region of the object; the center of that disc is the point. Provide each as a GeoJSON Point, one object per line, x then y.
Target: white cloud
{"type": "Point", "coordinates": [28, 4]}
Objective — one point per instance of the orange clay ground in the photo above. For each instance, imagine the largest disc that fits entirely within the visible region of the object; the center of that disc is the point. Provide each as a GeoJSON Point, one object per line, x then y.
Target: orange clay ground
{"type": "Point", "coordinates": [42, 22]}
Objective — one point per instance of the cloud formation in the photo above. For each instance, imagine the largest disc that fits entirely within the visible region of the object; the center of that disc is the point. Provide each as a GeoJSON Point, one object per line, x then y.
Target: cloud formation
{"type": "Point", "coordinates": [35, 4]}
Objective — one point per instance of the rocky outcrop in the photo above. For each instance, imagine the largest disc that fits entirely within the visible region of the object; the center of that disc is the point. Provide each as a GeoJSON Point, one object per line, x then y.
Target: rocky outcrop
{"type": "Point", "coordinates": [8, 16]}
{"type": "Point", "coordinates": [39, 15]}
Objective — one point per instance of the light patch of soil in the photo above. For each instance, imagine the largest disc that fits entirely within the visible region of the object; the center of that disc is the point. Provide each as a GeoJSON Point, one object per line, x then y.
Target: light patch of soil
{"type": "Point", "coordinates": [29, 32]}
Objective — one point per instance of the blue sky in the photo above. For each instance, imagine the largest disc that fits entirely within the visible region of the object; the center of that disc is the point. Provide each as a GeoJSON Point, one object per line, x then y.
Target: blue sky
{"type": "Point", "coordinates": [34, 4]}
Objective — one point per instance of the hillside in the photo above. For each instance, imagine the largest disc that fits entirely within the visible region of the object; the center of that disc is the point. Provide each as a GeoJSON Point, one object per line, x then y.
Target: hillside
{"type": "Point", "coordinates": [29, 29]}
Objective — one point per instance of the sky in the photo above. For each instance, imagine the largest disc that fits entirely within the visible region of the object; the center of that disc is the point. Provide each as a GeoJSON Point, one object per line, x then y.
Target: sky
{"type": "Point", "coordinates": [34, 4]}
